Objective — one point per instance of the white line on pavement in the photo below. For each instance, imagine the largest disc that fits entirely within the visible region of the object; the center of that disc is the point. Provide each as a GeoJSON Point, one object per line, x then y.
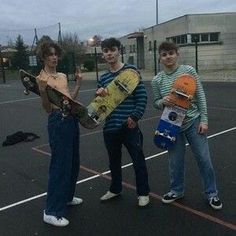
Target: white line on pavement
{"type": "Point", "coordinates": [97, 175]}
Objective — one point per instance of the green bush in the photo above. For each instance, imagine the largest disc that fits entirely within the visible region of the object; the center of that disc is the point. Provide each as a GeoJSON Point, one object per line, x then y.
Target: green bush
{"type": "Point", "coordinates": [89, 65]}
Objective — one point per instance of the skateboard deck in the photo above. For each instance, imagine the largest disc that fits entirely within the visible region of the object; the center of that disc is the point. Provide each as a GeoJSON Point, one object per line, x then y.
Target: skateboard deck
{"type": "Point", "coordinates": [66, 104]}
{"type": "Point", "coordinates": [119, 89]}
{"type": "Point", "coordinates": [181, 94]}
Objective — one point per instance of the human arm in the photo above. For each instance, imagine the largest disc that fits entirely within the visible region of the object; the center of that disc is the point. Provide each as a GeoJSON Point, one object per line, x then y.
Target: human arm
{"type": "Point", "coordinates": [140, 99]}
{"type": "Point", "coordinates": [160, 90]}
{"type": "Point", "coordinates": [42, 83]}
{"type": "Point", "coordinates": [201, 104]}
{"type": "Point", "coordinates": [78, 80]}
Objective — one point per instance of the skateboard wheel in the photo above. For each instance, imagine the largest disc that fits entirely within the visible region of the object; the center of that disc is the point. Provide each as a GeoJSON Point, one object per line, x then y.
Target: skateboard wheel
{"type": "Point", "coordinates": [173, 139]}
{"type": "Point", "coordinates": [65, 102]}
{"type": "Point", "coordinates": [157, 132]}
{"type": "Point", "coordinates": [26, 92]}
{"type": "Point", "coordinates": [26, 79]}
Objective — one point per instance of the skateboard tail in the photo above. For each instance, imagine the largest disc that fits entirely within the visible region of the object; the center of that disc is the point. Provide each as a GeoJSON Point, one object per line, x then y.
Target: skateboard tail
{"type": "Point", "coordinates": [29, 82]}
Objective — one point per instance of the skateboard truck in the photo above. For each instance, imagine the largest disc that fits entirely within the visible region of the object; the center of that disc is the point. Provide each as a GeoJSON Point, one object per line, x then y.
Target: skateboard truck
{"type": "Point", "coordinates": [121, 86]}
{"type": "Point", "coordinates": [182, 94]}
{"type": "Point", "coordinates": [94, 117]}
{"type": "Point", "coordinates": [27, 80]}
{"type": "Point", "coordinates": [65, 108]}
{"type": "Point", "coordinates": [166, 135]}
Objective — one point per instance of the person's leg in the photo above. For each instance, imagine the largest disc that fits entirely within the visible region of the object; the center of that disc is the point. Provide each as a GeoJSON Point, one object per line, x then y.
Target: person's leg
{"type": "Point", "coordinates": [200, 149]}
{"type": "Point", "coordinates": [133, 141]}
{"type": "Point", "coordinates": [114, 145]}
{"type": "Point", "coordinates": [176, 170]}
{"type": "Point", "coordinates": [75, 160]}
{"type": "Point", "coordinates": [61, 143]}
{"type": "Point", "coordinates": [177, 165]}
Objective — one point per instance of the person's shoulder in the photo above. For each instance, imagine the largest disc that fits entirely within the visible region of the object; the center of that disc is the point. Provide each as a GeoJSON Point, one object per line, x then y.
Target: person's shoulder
{"type": "Point", "coordinates": [130, 66]}
{"type": "Point", "coordinates": [188, 68]}
{"type": "Point", "coordinates": [158, 77]}
{"type": "Point", "coordinates": [105, 74]}
{"type": "Point", "coordinates": [60, 74]}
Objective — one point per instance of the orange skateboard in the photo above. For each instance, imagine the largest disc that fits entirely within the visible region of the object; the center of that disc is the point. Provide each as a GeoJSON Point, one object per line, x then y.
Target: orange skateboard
{"type": "Point", "coordinates": [181, 94]}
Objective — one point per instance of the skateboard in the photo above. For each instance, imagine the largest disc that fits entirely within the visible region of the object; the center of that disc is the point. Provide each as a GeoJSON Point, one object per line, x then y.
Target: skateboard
{"type": "Point", "coordinates": [181, 95]}
{"type": "Point", "coordinates": [119, 89]}
{"type": "Point", "coordinates": [67, 105]}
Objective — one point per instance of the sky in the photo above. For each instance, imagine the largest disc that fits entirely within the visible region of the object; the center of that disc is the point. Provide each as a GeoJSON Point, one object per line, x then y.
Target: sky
{"type": "Point", "coordinates": [86, 18]}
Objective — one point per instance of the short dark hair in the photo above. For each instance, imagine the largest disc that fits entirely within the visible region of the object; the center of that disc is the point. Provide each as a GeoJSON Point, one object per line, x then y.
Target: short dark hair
{"type": "Point", "coordinates": [167, 46]}
{"type": "Point", "coordinates": [44, 49]}
{"type": "Point", "coordinates": [110, 42]}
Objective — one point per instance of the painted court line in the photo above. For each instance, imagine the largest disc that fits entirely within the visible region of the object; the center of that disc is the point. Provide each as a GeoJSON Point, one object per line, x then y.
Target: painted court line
{"type": "Point", "coordinates": [104, 175]}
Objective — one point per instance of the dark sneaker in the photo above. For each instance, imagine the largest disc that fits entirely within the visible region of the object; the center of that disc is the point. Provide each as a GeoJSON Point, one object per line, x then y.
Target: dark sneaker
{"type": "Point", "coordinates": [215, 203]}
{"type": "Point", "coordinates": [171, 197]}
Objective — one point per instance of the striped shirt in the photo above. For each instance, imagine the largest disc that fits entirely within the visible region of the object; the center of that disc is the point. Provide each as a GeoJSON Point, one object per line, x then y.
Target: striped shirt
{"type": "Point", "coordinates": [133, 106]}
{"type": "Point", "coordinates": [162, 84]}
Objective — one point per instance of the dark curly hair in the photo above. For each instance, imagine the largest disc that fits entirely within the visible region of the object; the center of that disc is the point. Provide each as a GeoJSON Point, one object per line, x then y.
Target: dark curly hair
{"type": "Point", "coordinates": [167, 46]}
{"type": "Point", "coordinates": [110, 42]}
{"type": "Point", "coordinates": [44, 49]}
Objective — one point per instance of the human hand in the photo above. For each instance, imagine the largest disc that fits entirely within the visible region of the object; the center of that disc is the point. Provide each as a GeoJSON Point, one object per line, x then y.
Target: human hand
{"type": "Point", "coordinates": [78, 76]}
{"type": "Point", "coordinates": [202, 128]}
{"type": "Point", "coordinates": [131, 123]}
{"type": "Point", "coordinates": [168, 101]}
{"type": "Point", "coordinates": [102, 92]}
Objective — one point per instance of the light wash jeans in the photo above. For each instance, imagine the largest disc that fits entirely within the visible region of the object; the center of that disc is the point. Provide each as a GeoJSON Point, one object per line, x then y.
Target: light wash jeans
{"type": "Point", "coordinates": [200, 149]}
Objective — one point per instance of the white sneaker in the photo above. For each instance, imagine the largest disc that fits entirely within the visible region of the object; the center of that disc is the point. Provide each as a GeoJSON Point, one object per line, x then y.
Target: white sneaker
{"type": "Point", "coordinates": [75, 201]}
{"type": "Point", "coordinates": [143, 200]}
{"type": "Point", "coordinates": [53, 220]}
{"type": "Point", "coordinates": [109, 195]}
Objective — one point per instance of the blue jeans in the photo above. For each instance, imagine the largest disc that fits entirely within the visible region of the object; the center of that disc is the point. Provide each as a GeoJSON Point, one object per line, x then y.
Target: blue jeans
{"type": "Point", "coordinates": [65, 162]}
{"type": "Point", "coordinates": [132, 139]}
{"type": "Point", "coordinates": [200, 150]}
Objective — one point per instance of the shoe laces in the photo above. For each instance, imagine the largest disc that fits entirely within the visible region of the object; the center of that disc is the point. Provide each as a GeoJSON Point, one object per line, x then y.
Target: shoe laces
{"type": "Point", "coordinates": [215, 199]}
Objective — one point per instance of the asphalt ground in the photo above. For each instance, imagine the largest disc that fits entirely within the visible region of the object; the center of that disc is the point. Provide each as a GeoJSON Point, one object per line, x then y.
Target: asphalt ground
{"type": "Point", "coordinates": [24, 173]}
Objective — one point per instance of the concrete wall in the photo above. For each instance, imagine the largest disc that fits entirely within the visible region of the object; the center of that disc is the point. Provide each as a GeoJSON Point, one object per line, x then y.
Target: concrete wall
{"type": "Point", "coordinates": [211, 56]}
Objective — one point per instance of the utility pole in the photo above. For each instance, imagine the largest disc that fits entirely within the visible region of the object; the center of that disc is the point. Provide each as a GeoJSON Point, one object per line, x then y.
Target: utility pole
{"type": "Point", "coordinates": [59, 33]}
{"type": "Point", "coordinates": [2, 66]}
{"type": "Point", "coordinates": [157, 12]}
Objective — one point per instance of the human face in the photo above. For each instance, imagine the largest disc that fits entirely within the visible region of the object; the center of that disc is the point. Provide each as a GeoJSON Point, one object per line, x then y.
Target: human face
{"type": "Point", "coordinates": [169, 58]}
{"type": "Point", "coordinates": [111, 55]}
{"type": "Point", "coordinates": [51, 60]}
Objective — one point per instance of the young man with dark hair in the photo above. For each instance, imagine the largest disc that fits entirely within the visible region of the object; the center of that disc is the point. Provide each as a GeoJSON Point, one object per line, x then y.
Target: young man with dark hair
{"type": "Point", "coordinates": [63, 139]}
{"type": "Point", "coordinates": [194, 127]}
{"type": "Point", "coordinates": [121, 127]}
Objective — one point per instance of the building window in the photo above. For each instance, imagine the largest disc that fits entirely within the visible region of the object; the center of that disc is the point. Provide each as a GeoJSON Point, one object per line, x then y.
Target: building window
{"type": "Point", "coordinates": [195, 38]}
{"type": "Point", "coordinates": [214, 37]}
{"type": "Point", "coordinates": [192, 38]}
{"type": "Point", "coordinates": [123, 49]}
{"type": "Point", "coordinates": [130, 48]}
{"type": "Point", "coordinates": [180, 39]}
{"type": "Point", "coordinates": [134, 48]}
{"type": "Point", "coordinates": [150, 45]}
{"type": "Point", "coordinates": [205, 37]}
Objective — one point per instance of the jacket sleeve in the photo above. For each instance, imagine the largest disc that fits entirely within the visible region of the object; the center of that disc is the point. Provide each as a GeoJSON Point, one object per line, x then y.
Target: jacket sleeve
{"type": "Point", "coordinates": [157, 97]}
{"type": "Point", "coordinates": [140, 99]}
